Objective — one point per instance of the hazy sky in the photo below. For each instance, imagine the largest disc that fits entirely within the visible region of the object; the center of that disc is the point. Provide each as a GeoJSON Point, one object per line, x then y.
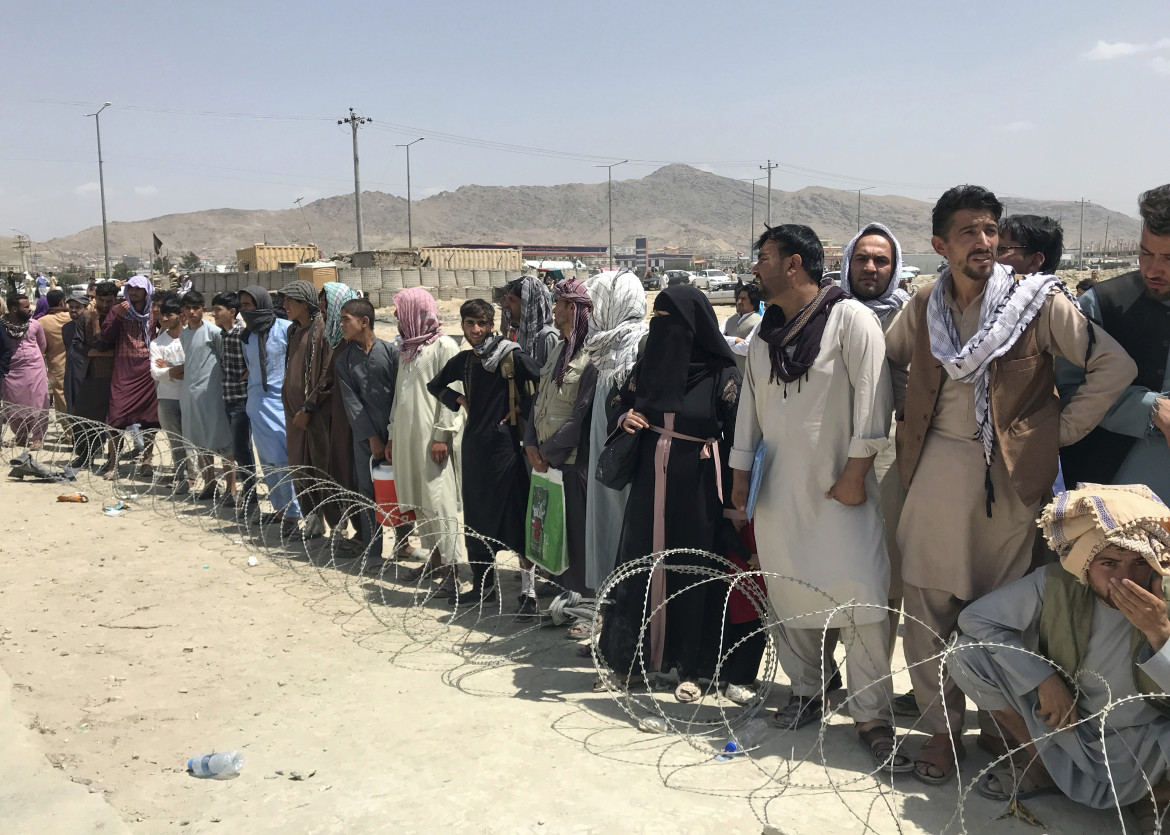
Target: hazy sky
{"type": "Point", "coordinates": [220, 104]}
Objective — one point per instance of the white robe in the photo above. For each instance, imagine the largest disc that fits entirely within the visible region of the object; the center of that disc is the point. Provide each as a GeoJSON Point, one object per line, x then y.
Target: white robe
{"type": "Point", "coordinates": [841, 411]}
{"type": "Point", "coordinates": [416, 421]}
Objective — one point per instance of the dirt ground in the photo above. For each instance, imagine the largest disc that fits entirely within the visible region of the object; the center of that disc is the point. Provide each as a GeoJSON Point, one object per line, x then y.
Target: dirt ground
{"type": "Point", "coordinates": [129, 644]}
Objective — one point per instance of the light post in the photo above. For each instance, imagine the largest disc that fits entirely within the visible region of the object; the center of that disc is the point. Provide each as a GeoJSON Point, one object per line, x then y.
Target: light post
{"type": "Point", "coordinates": [23, 244]}
{"type": "Point", "coordinates": [867, 188]}
{"type": "Point", "coordinates": [409, 231]}
{"type": "Point", "coordinates": [102, 183]}
{"type": "Point", "coordinates": [611, 166]}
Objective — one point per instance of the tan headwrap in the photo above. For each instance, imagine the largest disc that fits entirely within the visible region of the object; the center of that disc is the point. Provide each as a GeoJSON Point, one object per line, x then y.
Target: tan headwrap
{"type": "Point", "coordinates": [1081, 523]}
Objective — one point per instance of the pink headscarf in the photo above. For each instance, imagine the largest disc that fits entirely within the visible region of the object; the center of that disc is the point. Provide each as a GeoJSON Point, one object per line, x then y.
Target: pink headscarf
{"type": "Point", "coordinates": [418, 320]}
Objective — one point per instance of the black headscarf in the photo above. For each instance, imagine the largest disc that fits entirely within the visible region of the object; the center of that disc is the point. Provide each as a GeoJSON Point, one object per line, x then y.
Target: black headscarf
{"type": "Point", "coordinates": [684, 346]}
{"type": "Point", "coordinates": [793, 345]}
{"type": "Point", "coordinates": [259, 322]}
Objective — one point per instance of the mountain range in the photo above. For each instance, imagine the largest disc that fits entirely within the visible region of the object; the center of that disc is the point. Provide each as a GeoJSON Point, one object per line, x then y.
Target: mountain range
{"type": "Point", "coordinates": [675, 206]}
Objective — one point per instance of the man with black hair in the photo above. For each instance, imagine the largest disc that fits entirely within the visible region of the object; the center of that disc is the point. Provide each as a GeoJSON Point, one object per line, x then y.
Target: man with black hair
{"type": "Point", "coordinates": [529, 319]}
{"type": "Point", "coordinates": [499, 382]}
{"type": "Point", "coordinates": [1131, 444]}
{"type": "Point", "coordinates": [1030, 244]}
{"type": "Point", "coordinates": [367, 368]}
{"type": "Point", "coordinates": [739, 326]}
{"type": "Point", "coordinates": [225, 312]}
{"type": "Point", "coordinates": [95, 373]}
{"type": "Point", "coordinates": [979, 427]}
{"type": "Point", "coordinates": [52, 323]}
{"type": "Point", "coordinates": [166, 352]}
{"type": "Point", "coordinates": [76, 303]}
{"type": "Point", "coordinates": [817, 396]}
{"type": "Point", "coordinates": [205, 424]}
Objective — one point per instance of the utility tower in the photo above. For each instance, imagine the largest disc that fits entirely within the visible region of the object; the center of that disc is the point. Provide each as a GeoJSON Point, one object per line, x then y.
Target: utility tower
{"type": "Point", "coordinates": [354, 120]}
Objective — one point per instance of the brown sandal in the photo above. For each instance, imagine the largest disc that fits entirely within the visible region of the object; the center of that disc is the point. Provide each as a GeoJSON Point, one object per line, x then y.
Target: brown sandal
{"type": "Point", "coordinates": [938, 754]}
{"type": "Point", "coordinates": [886, 752]}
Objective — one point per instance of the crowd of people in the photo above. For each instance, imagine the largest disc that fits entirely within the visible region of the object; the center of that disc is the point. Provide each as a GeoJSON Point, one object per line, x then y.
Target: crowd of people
{"type": "Point", "coordinates": [859, 451]}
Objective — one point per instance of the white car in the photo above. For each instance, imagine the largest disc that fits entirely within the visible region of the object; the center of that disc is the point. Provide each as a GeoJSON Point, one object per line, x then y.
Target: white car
{"type": "Point", "coordinates": [703, 278]}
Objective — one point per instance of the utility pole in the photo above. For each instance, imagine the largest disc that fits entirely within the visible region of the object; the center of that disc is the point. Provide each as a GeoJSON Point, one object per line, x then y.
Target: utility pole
{"type": "Point", "coordinates": [751, 250]}
{"type": "Point", "coordinates": [1081, 243]}
{"type": "Point", "coordinates": [102, 183]}
{"type": "Point", "coordinates": [611, 166]}
{"type": "Point", "coordinates": [768, 168]}
{"type": "Point", "coordinates": [1105, 249]}
{"type": "Point", "coordinates": [409, 230]}
{"type": "Point", "coordinates": [22, 245]}
{"type": "Point", "coordinates": [297, 203]}
{"type": "Point", "coordinates": [354, 120]}
{"type": "Point", "coordinates": [867, 188]}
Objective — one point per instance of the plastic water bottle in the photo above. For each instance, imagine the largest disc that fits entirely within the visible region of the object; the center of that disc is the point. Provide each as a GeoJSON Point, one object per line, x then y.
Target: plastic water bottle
{"type": "Point", "coordinates": [216, 766]}
{"type": "Point", "coordinates": [652, 725]}
{"type": "Point", "coordinates": [745, 739]}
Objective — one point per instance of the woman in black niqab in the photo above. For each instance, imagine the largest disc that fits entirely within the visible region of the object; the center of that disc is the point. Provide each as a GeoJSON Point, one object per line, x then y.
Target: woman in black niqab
{"type": "Point", "coordinates": [685, 384]}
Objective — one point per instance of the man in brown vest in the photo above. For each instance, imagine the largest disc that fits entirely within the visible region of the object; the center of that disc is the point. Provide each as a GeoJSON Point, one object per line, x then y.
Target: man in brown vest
{"type": "Point", "coordinates": [978, 429]}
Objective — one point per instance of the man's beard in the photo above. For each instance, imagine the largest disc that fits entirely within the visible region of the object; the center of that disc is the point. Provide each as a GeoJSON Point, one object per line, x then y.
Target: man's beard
{"type": "Point", "coordinates": [861, 293]}
{"type": "Point", "coordinates": [1162, 296]}
{"type": "Point", "coordinates": [20, 317]}
{"type": "Point", "coordinates": [972, 272]}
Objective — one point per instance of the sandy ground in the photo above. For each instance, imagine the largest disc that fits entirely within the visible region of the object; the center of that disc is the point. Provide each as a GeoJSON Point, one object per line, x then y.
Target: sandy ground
{"type": "Point", "coordinates": [135, 642]}
{"type": "Point", "coordinates": [129, 644]}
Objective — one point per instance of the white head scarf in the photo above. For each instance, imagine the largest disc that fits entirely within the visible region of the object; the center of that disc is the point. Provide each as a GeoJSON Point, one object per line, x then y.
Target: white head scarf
{"type": "Point", "coordinates": [619, 314]}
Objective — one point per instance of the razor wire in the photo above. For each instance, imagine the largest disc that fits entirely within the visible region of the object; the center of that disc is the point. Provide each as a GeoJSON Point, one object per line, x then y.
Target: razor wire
{"type": "Point", "coordinates": [466, 640]}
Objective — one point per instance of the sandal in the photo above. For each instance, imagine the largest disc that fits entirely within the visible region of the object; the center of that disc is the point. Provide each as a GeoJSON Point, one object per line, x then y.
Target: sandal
{"type": "Point", "coordinates": [145, 471]}
{"type": "Point", "coordinates": [938, 754]}
{"type": "Point", "coordinates": [799, 712]}
{"type": "Point", "coordinates": [687, 692]}
{"type": "Point", "coordinates": [603, 684]}
{"type": "Point", "coordinates": [582, 630]}
{"type": "Point", "coordinates": [1023, 782]}
{"type": "Point", "coordinates": [883, 747]}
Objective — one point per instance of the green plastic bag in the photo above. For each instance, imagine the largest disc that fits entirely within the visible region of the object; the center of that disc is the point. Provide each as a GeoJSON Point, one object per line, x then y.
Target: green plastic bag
{"type": "Point", "coordinates": [545, 542]}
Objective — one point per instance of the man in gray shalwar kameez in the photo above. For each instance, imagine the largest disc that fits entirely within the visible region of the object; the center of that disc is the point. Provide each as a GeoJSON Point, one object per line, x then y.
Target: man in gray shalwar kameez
{"type": "Point", "coordinates": [1099, 620]}
{"type": "Point", "coordinates": [205, 423]}
{"type": "Point", "coordinates": [366, 371]}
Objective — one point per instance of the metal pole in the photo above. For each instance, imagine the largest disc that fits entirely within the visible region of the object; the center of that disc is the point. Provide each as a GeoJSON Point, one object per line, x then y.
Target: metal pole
{"type": "Point", "coordinates": [1081, 242]}
{"type": "Point", "coordinates": [867, 188]}
{"type": "Point", "coordinates": [768, 168]}
{"type": "Point", "coordinates": [409, 225]}
{"type": "Point", "coordinates": [751, 250]}
{"type": "Point", "coordinates": [354, 120]}
{"type": "Point", "coordinates": [102, 184]}
{"type": "Point", "coordinates": [610, 168]}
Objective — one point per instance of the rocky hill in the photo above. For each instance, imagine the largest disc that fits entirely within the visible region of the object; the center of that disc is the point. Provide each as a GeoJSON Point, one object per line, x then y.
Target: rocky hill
{"type": "Point", "coordinates": [674, 206]}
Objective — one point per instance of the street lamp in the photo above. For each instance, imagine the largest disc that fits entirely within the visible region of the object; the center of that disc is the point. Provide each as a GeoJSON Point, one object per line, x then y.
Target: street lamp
{"type": "Point", "coordinates": [867, 188]}
{"type": "Point", "coordinates": [610, 167]}
{"type": "Point", "coordinates": [409, 231]}
{"type": "Point", "coordinates": [102, 183]}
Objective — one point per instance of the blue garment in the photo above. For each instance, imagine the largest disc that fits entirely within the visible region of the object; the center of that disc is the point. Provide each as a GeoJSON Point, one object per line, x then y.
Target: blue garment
{"type": "Point", "coordinates": [1148, 461]}
{"type": "Point", "coordinates": [266, 413]}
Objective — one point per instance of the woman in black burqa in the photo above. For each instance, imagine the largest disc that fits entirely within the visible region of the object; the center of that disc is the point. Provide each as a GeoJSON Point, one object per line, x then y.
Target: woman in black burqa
{"type": "Point", "coordinates": [685, 384]}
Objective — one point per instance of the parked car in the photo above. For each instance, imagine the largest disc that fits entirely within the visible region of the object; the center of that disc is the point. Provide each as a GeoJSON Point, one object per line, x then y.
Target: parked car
{"type": "Point", "coordinates": [650, 281]}
{"type": "Point", "coordinates": [702, 279]}
{"type": "Point", "coordinates": [722, 282]}
{"type": "Point", "coordinates": [678, 277]}
{"type": "Point", "coordinates": [834, 276]}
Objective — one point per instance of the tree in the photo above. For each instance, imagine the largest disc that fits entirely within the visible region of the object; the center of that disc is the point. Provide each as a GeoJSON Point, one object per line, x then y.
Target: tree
{"type": "Point", "coordinates": [190, 262]}
{"type": "Point", "coordinates": [162, 264]}
{"type": "Point", "coordinates": [121, 272]}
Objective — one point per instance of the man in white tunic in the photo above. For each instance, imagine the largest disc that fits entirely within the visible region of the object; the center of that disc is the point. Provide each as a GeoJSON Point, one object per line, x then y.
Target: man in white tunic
{"type": "Point", "coordinates": [205, 423]}
{"type": "Point", "coordinates": [817, 394]}
{"type": "Point", "coordinates": [1097, 620]}
{"type": "Point", "coordinates": [423, 434]}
